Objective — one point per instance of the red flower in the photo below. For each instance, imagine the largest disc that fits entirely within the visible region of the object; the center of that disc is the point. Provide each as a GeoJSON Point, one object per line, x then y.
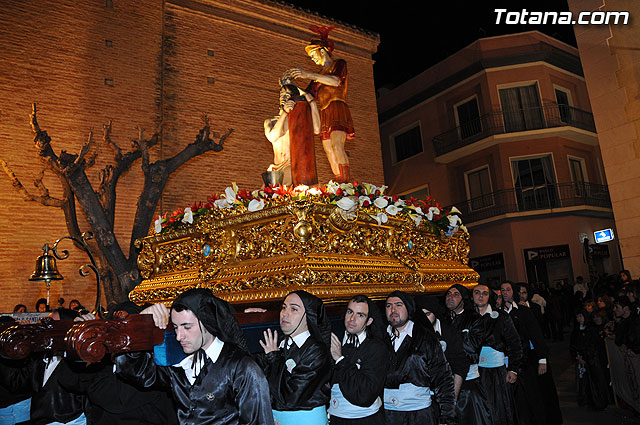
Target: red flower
{"type": "Point", "coordinates": [339, 192]}
{"type": "Point", "coordinates": [366, 203]}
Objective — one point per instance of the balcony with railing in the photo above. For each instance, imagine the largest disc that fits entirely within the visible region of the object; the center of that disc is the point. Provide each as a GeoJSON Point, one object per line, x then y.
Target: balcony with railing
{"type": "Point", "coordinates": [550, 115]}
{"type": "Point", "coordinates": [544, 197]}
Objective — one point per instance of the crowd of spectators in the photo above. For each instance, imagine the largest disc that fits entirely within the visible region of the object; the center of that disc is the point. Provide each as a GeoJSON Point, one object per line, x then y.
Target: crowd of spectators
{"type": "Point", "coordinates": [43, 307]}
{"type": "Point", "coordinates": [608, 308]}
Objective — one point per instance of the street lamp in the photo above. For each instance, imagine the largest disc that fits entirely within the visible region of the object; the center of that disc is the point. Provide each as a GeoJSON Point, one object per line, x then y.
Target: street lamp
{"type": "Point", "coordinates": [46, 269]}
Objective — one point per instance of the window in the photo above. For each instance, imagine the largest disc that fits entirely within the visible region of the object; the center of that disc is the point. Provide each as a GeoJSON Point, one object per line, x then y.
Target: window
{"type": "Point", "coordinates": [578, 176]}
{"type": "Point", "coordinates": [479, 189]}
{"type": "Point", "coordinates": [407, 144]}
{"type": "Point", "coordinates": [564, 105]}
{"type": "Point", "coordinates": [421, 193]}
{"type": "Point", "coordinates": [534, 183]}
{"type": "Point", "coordinates": [521, 108]}
{"type": "Point", "coordinates": [468, 118]}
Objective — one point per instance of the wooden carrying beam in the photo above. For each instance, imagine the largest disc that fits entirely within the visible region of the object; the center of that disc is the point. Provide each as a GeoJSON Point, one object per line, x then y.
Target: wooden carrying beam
{"type": "Point", "coordinates": [89, 341]}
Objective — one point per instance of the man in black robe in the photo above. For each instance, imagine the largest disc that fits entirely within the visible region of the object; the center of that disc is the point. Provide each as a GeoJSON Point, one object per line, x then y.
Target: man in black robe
{"type": "Point", "coordinates": [218, 382]}
{"type": "Point", "coordinates": [534, 405]}
{"type": "Point", "coordinates": [472, 406]}
{"type": "Point", "coordinates": [450, 338]}
{"type": "Point", "coordinates": [418, 367]}
{"type": "Point", "coordinates": [500, 340]}
{"type": "Point", "coordinates": [361, 363]}
{"type": "Point", "coordinates": [298, 368]}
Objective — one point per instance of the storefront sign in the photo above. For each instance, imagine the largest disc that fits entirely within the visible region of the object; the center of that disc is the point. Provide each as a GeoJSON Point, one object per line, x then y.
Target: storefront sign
{"type": "Point", "coordinates": [599, 250]}
{"type": "Point", "coordinates": [487, 262]}
{"type": "Point", "coordinates": [547, 253]}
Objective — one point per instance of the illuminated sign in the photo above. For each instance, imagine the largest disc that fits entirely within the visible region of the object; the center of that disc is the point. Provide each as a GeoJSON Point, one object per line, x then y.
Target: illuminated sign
{"type": "Point", "coordinates": [604, 235]}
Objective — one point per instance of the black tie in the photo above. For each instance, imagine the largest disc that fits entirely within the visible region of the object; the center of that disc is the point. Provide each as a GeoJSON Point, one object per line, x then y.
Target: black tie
{"type": "Point", "coordinates": [353, 339]}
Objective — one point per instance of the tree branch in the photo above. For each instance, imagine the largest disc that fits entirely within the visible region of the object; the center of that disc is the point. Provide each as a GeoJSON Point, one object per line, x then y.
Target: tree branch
{"type": "Point", "coordinates": [110, 175]}
{"type": "Point", "coordinates": [156, 176]}
{"type": "Point", "coordinates": [44, 199]}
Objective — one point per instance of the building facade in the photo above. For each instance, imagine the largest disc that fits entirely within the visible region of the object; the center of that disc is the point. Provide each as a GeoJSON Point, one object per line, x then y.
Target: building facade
{"type": "Point", "coordinates": [503, 130]}
{"type": "Point", "coordinates": [610, 55]}
{"type": "Point", "coordinates": [141, 63]}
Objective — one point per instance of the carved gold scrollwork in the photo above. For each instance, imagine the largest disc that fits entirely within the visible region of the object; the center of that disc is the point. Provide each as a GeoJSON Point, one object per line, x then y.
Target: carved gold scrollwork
{"type": "Point", "coordinates": [341, 221]}
{"type": "Point", "coordinates": [146, 259]}
{"type": "Point", "coordinates": [299, 244]}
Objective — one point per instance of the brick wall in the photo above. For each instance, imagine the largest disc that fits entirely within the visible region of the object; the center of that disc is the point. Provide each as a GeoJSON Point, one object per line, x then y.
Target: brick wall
{"type": "Point", "coordinates": [85, 63]}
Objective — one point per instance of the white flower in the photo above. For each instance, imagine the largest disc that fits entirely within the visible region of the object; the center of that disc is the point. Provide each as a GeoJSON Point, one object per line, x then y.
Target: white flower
{"type": "Point", "coordinates": [346, 203]}
{"type": "Point", "coordinates": [417, 218]}
{"type": "Point", "coordinates": [222, 204]}
{"type": "Point", "coordinates": [363, 198]}
{"type": "Point", "coordinates": [392, 210]}
{"type": "Point", "coordinates": [432, 211]}
{"type": "Point", "coordinates": [454, 220]}
{"type": "Point", "coordinates": [464, 228]}
{"type": "Point", "coordinates": [301, 188]}
{"type": "Point", "coordinates": [400, 203]}
{"type": "Point", "coordinates": [314, 191]}
{"type": "Point", "coordinates": [255, 193]}
{"type": "Point", "coordinates": [382, 189]}
{"type": "Point", "coordinates": [256, 205]}
{"type": "Point", "coordinates": [419, 210]}
{"type": "Point", "coordinates": [369, 189]}
{"type": "Point", "coordinates": [381, 202]}
{"type": "Point", "coordinates": [455, 210]}
{"type": "Point", "coordinates": [230, 194]}
{"type": "Point", "coordinates": [188, 216]}
{"type": "Point", "coordinates": [348, 188]}
{"type": "Point", "coordinates": [332, 187]}
{"type": "Point", "coordinates": [158, 225]}
{"type": "Point", "coordinates": [381, 218]}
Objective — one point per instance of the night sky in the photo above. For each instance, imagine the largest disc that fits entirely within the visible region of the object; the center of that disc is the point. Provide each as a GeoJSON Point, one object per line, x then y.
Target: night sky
{"type": "Point", "coordinates": [417, 34]}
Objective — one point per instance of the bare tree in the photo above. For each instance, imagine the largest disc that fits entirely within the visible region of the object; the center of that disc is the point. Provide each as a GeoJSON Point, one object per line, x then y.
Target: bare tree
{"type": "Point", "coordinates": [119, 273]}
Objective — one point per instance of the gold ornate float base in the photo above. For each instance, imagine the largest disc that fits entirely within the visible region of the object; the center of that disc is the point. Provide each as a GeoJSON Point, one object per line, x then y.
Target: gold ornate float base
{"type": "Point", "coordinates": [253, 257]}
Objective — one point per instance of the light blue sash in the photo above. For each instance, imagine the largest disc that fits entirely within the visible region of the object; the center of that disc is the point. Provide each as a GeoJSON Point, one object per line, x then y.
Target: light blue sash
{"type": "Point", "coordinates": [316, 416]}
{"type": "Point", "coordinates": [80, 420]}
{"type": "Point", "coordinates": [490, 357]}
{"type": "Point", "coordinates": [407, 398]}
{"type": "Point", "coordinates": [342, 408]}
{"type": "Point", "coordinates": [18, 412]}
{"type": "Point", "coordinates": [473, 372]}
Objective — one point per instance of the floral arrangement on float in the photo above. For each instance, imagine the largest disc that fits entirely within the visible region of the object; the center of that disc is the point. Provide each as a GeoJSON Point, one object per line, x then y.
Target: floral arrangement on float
{"type": "Point", "coordinates": [350, 197]}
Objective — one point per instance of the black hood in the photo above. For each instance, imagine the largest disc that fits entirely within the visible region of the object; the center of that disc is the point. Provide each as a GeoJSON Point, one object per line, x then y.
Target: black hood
{"type": "Point", "coordinates": [216, 315]}
{"type": "Point", "coordinates": [408, 301]}
{"type": "Point", "coordinates": [317, 320]}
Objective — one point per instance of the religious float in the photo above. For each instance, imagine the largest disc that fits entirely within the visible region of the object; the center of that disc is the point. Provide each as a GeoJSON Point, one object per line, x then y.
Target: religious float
{"type": "Point", "coordinates": [333, 241]}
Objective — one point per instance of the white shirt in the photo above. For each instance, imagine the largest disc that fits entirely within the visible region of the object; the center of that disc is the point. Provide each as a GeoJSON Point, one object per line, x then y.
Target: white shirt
{"type": "Point", "coordinates": [397, 342]}
{"type": "Point", "coordinates": [299, 339]}
{"type": "Point", "coordinates": [437, 327]}
{"type": "Point", "coordinates": [488, 310]}
{"type": "Point", "coordinates": [51, 365]}
{"type": "Point", "coordinates": [361, 337]}
{"type": "Point", "coordinates": [212, 351]}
